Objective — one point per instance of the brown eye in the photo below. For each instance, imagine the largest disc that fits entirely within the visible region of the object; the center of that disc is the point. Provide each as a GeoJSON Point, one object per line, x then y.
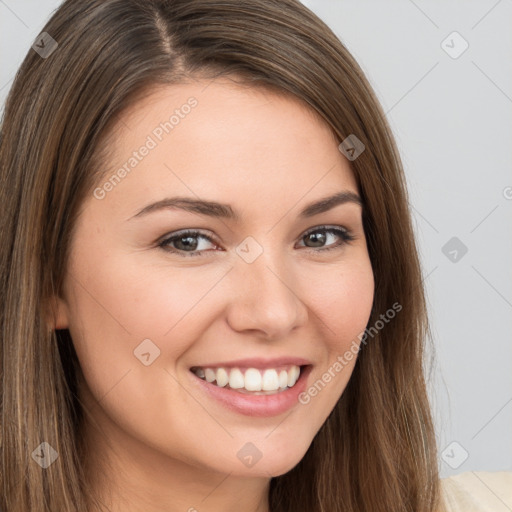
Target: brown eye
{"type": "Point", "coordinates": [185, 242]}
{"type": "Point", "coordinates": [319, 236]}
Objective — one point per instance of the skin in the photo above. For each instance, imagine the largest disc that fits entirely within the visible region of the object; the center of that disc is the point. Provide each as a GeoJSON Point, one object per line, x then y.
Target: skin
{"type": "Point", "coordinates": [156, 442]}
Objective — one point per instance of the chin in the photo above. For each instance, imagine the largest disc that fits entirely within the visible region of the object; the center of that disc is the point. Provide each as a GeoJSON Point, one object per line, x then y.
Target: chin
{"type": "Point", "coordinates": [278, 463]}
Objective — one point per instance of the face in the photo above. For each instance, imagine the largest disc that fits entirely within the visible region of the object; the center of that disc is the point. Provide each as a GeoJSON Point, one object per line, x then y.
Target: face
{"type": "Point", "coordinates": [191, 320]}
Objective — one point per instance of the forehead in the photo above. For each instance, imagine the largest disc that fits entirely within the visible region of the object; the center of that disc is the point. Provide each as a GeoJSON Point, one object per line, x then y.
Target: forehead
{"type": "Point", "coordinates": [219, 139]}
{"type": "Point", "coordinates": [214, 94]}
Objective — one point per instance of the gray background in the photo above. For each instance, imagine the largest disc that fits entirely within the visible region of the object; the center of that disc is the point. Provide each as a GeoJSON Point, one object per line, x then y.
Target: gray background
{"type": "Point", "coordinates": [451, 117]}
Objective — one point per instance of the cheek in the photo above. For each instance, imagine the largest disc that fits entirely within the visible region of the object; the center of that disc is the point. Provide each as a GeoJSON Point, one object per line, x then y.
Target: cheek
{"type": "Point", "coordinates": [131, 299]}
{"type": "Point", "coordinates": [116, 306]}
{"type": "Point", "coordinates": [343, 301]}
{"type": "Point", "coordinates": [343, 306]}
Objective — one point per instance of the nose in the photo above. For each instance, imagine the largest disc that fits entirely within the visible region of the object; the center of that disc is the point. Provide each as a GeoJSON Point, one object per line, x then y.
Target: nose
{"type": "Point", "coordinates": [264, 299]}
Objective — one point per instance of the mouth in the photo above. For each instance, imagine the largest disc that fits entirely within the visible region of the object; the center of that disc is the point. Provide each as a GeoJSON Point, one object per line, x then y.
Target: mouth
{"type": "Point", "coordinates": [251, 380]}
{"type": "Point", "coordinates": [256, 387]}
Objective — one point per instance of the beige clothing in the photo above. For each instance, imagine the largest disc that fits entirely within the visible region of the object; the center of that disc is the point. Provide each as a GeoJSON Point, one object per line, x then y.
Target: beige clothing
{"type": "Point", "coordinates": [478, 491]}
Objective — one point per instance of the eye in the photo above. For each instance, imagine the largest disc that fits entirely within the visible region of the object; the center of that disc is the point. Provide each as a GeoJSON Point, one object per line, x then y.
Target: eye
{"type": "Point", "coordinates": [185, 243]}
{"type": "Point", "coordinates": [318, 235]}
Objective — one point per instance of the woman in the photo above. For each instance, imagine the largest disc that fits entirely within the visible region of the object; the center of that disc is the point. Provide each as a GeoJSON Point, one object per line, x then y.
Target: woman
{"type": "Point", "coordinates": [213, 299]}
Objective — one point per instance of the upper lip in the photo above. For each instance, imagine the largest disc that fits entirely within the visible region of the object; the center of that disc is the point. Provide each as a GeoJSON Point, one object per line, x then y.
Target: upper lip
{"type": "Point", "coordinates": [257, 362]}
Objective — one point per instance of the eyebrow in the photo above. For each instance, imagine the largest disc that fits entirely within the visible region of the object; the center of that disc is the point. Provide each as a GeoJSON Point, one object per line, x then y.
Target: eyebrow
{"type": "Point", "coordinates": [225, 211]}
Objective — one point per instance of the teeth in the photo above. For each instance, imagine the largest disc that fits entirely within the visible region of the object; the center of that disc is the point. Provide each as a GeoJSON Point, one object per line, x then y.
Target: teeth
{"type": "Point", "coordinates": [270, 381]}
{"type": "Point", "coordinates": [251, 379]}
{"type": "Point", "coordinates": [222, 377]}
{"type": "Point", "coordinates": [283, 379]}
{"type": "Point", "coordinates": [293, 375]}
{"type": "Point", "coordinates": [236, 379]}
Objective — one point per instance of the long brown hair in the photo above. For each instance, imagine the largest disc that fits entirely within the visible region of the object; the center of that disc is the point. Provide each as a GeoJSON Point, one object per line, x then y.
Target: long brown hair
{"type": "Point", "coordinates": [377, 450]}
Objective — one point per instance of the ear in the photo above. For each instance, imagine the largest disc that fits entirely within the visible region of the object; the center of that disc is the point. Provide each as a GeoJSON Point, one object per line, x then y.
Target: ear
{"type": "Point", "coordinates": [57, 315]}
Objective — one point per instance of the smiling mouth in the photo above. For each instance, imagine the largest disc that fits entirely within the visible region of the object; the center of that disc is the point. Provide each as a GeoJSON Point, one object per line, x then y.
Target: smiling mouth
{"type": "Point", "coordinates": [252, 381]}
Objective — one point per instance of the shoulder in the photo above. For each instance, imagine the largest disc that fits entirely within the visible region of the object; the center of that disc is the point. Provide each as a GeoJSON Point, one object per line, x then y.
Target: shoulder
{"type": "Point", "coordinates": [478, 491]}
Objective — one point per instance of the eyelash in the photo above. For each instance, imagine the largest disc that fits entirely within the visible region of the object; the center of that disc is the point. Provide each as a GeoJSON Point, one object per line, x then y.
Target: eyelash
{"type": "Point", "coordinates": [343, 233]}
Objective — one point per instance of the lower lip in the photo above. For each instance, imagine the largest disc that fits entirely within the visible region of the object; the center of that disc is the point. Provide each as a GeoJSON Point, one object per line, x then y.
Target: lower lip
{"type": "Point", "coordinates": [256, 405]}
